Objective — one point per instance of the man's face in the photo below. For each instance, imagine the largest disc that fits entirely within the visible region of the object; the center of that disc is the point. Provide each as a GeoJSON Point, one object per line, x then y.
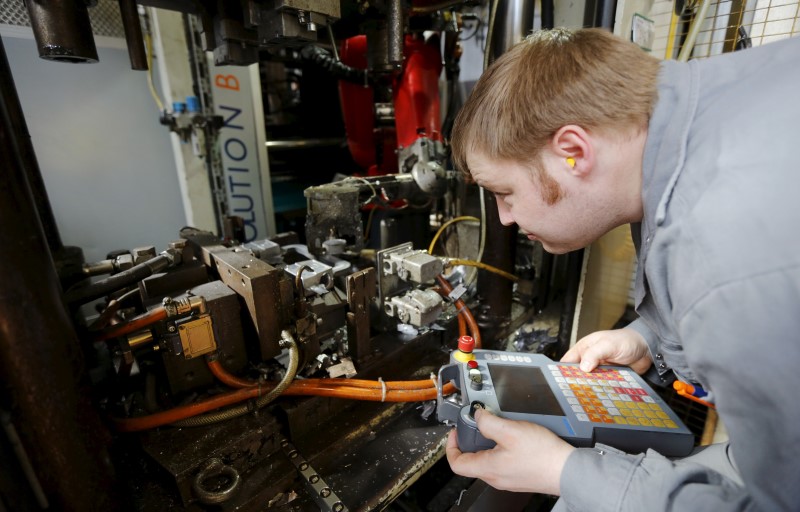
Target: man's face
{"type": "Point", "coordinates": [545, 208]}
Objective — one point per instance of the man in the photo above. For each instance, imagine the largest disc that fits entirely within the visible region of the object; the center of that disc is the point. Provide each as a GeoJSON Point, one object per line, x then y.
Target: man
{"type": "Point", "coordinates": [579, 132]}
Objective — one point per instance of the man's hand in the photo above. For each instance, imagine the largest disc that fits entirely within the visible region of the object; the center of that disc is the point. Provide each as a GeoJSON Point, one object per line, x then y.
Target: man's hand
{"type": "Point", "coordinates": [621, 347]}
{"type": "Point", "coordinates": [527, 458]}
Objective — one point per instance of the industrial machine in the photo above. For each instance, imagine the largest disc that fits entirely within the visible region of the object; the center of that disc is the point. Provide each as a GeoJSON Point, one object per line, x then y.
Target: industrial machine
{"type": "Point", "coordinates": [233, 374]}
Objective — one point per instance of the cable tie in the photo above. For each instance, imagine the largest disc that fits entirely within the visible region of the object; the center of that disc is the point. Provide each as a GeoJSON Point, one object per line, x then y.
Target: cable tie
{"type": "Point", "coordinates": [457, 292]}
{"type": "Point", "coordinates": [434, 379]}
{"type": "Point", "coordinates": [383, 389]}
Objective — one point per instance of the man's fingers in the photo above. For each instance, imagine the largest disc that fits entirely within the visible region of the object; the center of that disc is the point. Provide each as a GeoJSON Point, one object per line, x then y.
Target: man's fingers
{"type": "Point", "coordinates": [573, 355]}
{"type": "Point", "coordinates": [491, 426]}
{"type": "Point", "coordinates": [590, 360]}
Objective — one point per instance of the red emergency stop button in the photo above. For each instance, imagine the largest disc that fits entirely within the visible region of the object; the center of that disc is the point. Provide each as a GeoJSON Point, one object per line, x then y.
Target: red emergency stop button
{"type": "Point", "coordinates": [466, 344]}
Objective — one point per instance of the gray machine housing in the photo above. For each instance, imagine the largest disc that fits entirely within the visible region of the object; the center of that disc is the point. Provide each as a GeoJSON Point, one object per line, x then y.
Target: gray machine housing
{"type": "Point", "coordinates": [561, 419]}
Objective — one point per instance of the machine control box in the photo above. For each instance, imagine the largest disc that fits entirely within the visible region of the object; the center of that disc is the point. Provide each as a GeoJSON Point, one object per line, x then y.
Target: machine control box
{"type": "Point", "coordinates": [610, 405]}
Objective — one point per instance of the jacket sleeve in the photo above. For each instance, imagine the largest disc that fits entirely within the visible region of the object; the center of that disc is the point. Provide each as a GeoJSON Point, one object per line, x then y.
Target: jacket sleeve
{"type": "Point", "coordinates": [604, 479]}
{"type": "Point", "coordinates": [658, 374]}
{"type": "Point", "coordinates": [744, 342]}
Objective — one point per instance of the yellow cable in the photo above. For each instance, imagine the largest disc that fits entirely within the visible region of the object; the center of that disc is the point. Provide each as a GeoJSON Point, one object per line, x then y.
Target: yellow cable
{"type": "Point", "coordinates": [444, 226]}
{"type": "Point", "coordinates": [481, 265]}
{"type": "Point", "coordinates": [149, 43]}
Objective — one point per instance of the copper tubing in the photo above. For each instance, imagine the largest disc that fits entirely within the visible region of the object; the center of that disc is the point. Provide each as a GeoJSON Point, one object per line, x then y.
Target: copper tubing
{"type": "Point", "coordinates": [133, 325]}
{"type": "Point", "coordinates": [240, 395]}
{"type": "Point", "coordinates": [463, 309]}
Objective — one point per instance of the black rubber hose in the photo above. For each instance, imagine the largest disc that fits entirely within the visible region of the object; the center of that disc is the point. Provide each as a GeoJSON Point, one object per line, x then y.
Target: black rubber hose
{"type": "Point", "coordinates": [120, 280]}
{"type": "Point", "coordinates": [337, 68]}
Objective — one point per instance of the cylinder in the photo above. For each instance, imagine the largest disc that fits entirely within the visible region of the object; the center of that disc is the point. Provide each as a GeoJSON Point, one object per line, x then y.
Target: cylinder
{"type": "Point", "coordinates": [394, 33]}
{"type": "Point", "coordinates": [513, 21]}
{"type": "Point", "coordinates": [133, 34]}
{"type": "Point", "coordinates": [62, 30]}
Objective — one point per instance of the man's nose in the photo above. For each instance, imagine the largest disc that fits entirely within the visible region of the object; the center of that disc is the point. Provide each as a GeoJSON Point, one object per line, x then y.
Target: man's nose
{"type": "Point", "coordinates": [504, 213]}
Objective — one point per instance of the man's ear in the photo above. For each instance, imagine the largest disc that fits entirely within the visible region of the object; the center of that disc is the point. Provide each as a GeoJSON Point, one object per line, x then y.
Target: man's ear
{"type": "Point", "coordinates": [574, 145]}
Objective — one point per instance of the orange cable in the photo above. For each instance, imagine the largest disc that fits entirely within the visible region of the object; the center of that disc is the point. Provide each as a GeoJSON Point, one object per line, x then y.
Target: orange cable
{"type": "Point", "coordinates": [135, 324]}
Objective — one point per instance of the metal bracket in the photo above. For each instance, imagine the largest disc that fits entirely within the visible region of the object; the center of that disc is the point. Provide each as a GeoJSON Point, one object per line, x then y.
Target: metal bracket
{"type": "Point", "coordinates": [323, 494]}
{"type": "Point", "coordinates": [447, 410]}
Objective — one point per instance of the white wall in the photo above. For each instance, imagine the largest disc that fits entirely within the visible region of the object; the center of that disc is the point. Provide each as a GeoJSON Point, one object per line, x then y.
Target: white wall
{"type": "Point", "coordinates": [107, 163]}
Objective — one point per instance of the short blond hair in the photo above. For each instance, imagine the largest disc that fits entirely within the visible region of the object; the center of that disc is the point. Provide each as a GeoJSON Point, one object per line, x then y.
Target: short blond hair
{"type": "Point", "coordinates": [553, 78]}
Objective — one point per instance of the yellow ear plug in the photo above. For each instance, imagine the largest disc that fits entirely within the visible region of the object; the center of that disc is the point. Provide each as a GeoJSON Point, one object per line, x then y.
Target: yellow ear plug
{"type": "Point", "coordinates": [571, 161]}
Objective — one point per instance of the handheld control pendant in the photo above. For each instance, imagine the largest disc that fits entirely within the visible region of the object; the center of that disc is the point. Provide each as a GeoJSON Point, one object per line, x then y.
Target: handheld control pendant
{"type": "Point", "coordinates": [610, 405]}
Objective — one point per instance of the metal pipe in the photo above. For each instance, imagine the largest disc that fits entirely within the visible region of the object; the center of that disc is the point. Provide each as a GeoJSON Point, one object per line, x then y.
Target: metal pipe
{"type": "Point", "coordinates": [133, 34]}
{"type": "Point", "coordinates": [510, 21]}
{"type": "Point", "coordinates": [40, 361]}
{"type": "Point", "coordinates": [62, 30]}
{"type": "Point", "coordinates": [500, 252]}
{"type": "Point", "coordinates": [513, 21]}
{"type": "Point", "coordinates": [27, 156]}
{"type": "Point", "coordinates": [600, 14]}
{"type": "Point", "coordinates": [548, 14]}
{"type": "Point", "coordinates": [394, 33]}
{"type": "Point", "coordinates": [118, 281]}
{"type": "Point", "coordinates": [694, 29]}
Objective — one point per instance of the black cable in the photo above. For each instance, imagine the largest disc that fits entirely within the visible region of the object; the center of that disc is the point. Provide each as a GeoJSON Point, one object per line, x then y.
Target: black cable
{"type": "Point", "coordinates": [122, 279]}
{"type": "Point", "coordinates": [337, 68]}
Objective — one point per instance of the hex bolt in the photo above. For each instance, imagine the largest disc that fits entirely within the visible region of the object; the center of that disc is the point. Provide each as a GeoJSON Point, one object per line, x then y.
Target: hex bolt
{"type": "Point", "coordinates": [338, 506]}
{"type": "Point", "coordinates": [304, 466]}
{"type": "Point", "coordinates": [325, 492]}
{"type": "Point", "coordinates": [313, 479]}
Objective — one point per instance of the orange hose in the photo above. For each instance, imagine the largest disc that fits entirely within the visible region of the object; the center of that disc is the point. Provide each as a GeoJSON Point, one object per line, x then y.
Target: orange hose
{"type": "Point", "coordinates": [391, 385]}
{"type": "Point", "coordinates": [462, 324]}
{"type": "Point", "coordinates": [463, 309]}
{"type": "Point", "coordinates": [132, 325]}
{"type": "Point", "coordinates": [228, 379]}
{"type": "Point", "coordinates": [186, 411]}
{"type": "Point", "coordinates": [354, 389]}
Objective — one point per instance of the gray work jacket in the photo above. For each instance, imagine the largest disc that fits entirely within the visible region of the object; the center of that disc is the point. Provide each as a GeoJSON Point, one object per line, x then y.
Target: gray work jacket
{"type": "Point", "coordinates": [718, 284]}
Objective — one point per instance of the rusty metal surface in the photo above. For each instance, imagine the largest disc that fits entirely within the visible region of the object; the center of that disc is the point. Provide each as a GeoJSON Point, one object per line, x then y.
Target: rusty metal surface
{"type": "Point", "coordinates": [44, 384]}
{"type": "Point", "coordinates": [242, 443]}
{"type": "Point", "coordinates": [360, 292]}
{"type": "Point", "coordinates": [258, 283]}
